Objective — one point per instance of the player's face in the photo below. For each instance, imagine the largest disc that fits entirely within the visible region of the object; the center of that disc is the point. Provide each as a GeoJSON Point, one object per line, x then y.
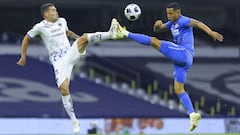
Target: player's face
{"type": "Point", "coordinates": [52, 14]}
{"type": "Point", "coordinates": [172, 14]}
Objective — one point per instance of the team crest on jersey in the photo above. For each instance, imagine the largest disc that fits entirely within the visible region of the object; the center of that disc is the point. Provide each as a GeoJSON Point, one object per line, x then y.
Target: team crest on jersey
{"type": "Point", "coordinates": [60, 24]}
{"type": "Point", "coordinates": [176, 26]}
{"type": "Point", "coordinates": [175, 29]}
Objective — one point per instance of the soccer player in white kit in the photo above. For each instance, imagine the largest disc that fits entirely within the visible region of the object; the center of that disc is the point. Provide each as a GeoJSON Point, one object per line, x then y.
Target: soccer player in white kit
{"type": "Point", "coordinates": [55, 33]}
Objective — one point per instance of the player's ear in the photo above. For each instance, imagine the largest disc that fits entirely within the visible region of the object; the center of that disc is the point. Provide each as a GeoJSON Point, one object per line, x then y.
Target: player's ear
{"type": "Point", "coordinates": [45, 14]}
{"type": "Point", "coordinates": [179, 11]}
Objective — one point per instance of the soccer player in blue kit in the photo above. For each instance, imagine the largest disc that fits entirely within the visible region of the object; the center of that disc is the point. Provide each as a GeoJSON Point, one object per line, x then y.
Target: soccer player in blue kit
{"type": "Point", "coordinates": [180, 52]}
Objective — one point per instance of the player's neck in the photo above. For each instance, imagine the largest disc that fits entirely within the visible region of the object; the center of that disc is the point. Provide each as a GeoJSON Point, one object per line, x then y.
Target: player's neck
{"type": "Point", "coordinates": [49, 21]}
{"type": "Point", "coordinates": [177, 18]}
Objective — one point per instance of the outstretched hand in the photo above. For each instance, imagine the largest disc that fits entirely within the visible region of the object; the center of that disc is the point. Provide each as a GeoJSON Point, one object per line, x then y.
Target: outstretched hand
{"type": "Point", "coordinates": [22, 62]}
{"type": "Point", "coordinates": [159, 26]}
{"type": "Point", "coordinates": [158, 23]}
{"type": "Point", "coordinates": [216, 36]}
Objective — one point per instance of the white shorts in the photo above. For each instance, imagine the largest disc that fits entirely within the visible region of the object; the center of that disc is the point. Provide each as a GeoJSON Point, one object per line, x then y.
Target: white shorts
{"type": "Point", "coordinates": [63, 67]}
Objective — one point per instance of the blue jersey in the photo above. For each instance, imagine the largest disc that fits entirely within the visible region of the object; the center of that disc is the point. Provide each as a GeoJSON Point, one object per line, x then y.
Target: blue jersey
{"type": "Point", "coordinates": [182, 32]}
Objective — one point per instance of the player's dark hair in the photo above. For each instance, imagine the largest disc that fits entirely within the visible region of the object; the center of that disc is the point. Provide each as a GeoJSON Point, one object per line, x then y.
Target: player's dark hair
{"type": "Point", "coordinates": [45, 7]}
{"type": "Point", "coordinates": [174, 5]}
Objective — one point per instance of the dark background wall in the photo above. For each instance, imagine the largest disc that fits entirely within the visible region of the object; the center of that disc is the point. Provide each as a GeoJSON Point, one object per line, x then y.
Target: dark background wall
{"type": "Point", "coordinates": [18, 16]}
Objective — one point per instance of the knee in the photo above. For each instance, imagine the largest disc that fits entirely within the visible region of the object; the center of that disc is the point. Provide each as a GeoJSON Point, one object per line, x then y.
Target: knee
{"type": "Point", "coordinates": [82, 42]}
{"type": "Point", "coordinates": [155, 42]}
{"type": "Point", "coordinates": [64, 90]}
{"type": "Point", "coordinates": [82, 39]}
{"type": "Point", "coordinates": [178, 89]}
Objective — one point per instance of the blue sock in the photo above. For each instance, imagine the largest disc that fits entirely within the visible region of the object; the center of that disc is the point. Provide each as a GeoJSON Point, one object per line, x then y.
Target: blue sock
{"type": "Point", "coordinates": [140, 38]}
{"type": "Point", "coordinates": [186, 101]}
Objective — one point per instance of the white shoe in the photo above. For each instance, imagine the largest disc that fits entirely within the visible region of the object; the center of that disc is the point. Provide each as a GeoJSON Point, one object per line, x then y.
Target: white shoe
{"type": "Point", "coordinates": [76, 128]}
{"type": "Point", "coordinates": [116, 30]}
{"type": "Point", "coordinates": [194, 118]}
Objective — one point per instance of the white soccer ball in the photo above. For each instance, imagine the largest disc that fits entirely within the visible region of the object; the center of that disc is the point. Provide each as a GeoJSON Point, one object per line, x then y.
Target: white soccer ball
{"type": "Point", "coordinates": [132, 12]}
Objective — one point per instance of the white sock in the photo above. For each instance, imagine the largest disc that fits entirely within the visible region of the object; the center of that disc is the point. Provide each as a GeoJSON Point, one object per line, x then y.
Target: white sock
{"type": "Point", "coordinates": [68, 105]}
{"type": "Point", "coordinates": [190, 114]}
{"type": "Point", "coordinates": [125, 33]}
{"type": "Point", "coordinates": [98, 37]}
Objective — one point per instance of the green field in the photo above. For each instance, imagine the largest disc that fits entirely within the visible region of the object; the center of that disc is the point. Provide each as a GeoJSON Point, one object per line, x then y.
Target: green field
{"type": "Point", "coordinates": [153, 134]}
{"type": "Point", "coordinates": [177, 134]}
{"type": "Point", "coordinates": [201, 134]}
{"type": "Point", "coordinates": [129, 134]}
{"type": "Point", "coordinates": [191, 134]}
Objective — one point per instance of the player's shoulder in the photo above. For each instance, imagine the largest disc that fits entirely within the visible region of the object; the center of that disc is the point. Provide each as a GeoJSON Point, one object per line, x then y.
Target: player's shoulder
{"type": "Point", "coordinates": [38, 25]}
{"type": "Point", "coordinates": [43, 23]}
{"type": "Point", "coordinates": [183, 19]}
{"type": "Point", "coordinates": [61, 19]}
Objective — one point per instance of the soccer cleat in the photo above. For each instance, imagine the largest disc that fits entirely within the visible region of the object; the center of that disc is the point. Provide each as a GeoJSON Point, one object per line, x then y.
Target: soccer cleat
{"type": "Point", "coordinates": [120, 32]}
{"type": "Point", "coordinates": [76, 128]}
{"type": "Point", "coordinates": [194, 118]}
{"type": "Point", "coordinates": [116, 30]}
{"type": "Point", "coordinates": [113, 29]}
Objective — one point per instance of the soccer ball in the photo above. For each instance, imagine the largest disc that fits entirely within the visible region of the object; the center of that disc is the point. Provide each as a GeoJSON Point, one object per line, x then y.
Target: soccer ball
{"type": "Point", "coordinates": [132, 12]}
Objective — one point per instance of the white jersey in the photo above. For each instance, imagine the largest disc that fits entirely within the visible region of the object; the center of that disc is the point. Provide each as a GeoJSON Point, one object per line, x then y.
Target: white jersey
{"type": "Point", "coordinates": [54, 37]}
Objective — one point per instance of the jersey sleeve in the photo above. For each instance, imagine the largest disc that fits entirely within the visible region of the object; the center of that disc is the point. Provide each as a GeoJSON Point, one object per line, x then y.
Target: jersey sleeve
{"type": "Point", "coordinates": [186, 21]}
{"type": "Point", "coordinates": [34, 31]}
{"type": "Point", "coordinates": [169, 24]}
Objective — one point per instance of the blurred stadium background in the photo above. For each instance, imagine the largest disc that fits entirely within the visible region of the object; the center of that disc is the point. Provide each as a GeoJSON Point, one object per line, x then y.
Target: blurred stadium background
{"type": "Point", "coordinates": [122, 87]}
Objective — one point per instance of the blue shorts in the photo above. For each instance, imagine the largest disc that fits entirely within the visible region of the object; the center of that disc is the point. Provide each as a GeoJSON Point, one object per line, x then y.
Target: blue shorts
{"type": "Point", "coordinates": [181, 57]}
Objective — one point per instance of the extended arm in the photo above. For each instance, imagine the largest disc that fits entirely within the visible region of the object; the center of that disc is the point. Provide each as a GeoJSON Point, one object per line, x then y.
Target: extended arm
{"type": "Point", "coordinates": [159, 26]}
{"type": "Point", "coordinates": [25, 42]}
{"type": "Point", "coordinates": [72, 35]}
{"type": "Point", "coordinates": [215, 35]}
